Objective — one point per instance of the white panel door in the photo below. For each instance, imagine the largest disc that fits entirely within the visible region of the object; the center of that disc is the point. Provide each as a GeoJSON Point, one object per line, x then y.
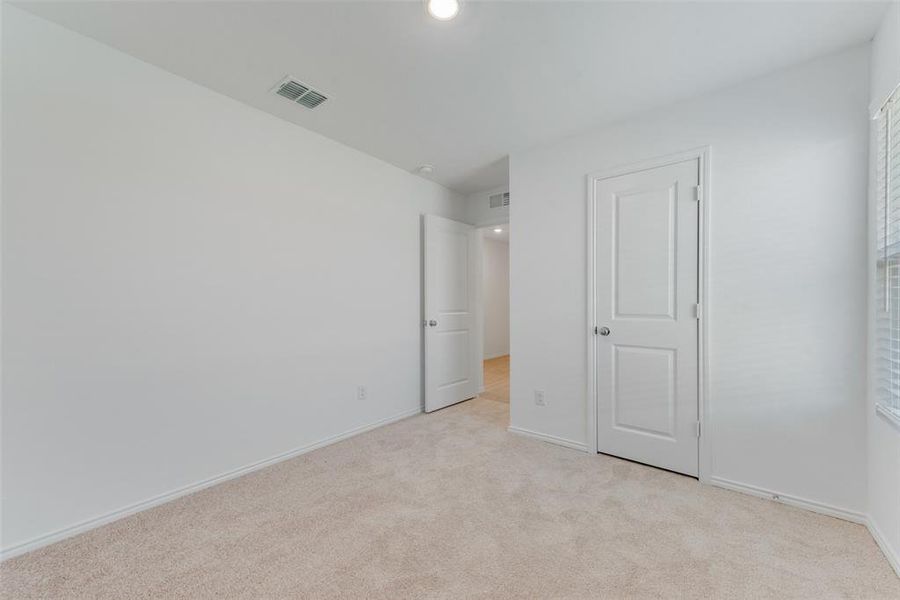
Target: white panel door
{"type": "Point", "coordinates": [646, 284]}
{"type": "Point", "coordinates": [452, 357]}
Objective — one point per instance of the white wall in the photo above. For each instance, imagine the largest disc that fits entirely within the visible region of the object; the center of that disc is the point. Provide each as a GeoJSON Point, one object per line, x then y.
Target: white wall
{"type": "Point", "coordinates": [884, 439]}
{"type": "Point", "coordinates": [885, 66]}
{"type": "Point", "coordinates": [787, 312]}
{"type": "Point", "coordinates": [185, 280]}
{"type": "Point", "coordinates": [479, 211]}
{"type": "Point", "coordinates": [495, 289]}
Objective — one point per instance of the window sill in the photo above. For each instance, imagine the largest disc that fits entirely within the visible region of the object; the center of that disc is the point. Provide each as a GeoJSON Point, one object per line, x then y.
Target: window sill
{"type": "Point", "coordinates": [891, 415]}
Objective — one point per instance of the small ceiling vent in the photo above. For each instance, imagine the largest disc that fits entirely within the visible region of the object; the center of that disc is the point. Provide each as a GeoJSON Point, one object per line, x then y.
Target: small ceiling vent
{"type": "Point", "coordinates": [499, 200]}
{"type": "Point", "coordinates": [300, 93]}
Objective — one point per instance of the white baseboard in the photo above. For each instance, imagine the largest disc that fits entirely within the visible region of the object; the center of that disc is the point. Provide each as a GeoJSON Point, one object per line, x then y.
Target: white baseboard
{"type": "Point", "coordinates": [548, 438]}
{"type": "Point", "coordinates": [890, 553]}
{"type": "Point", "coordinates": [44, 540]}
{"type": "Point", "coordinates": [66, 532]}
{"type": "Point", "coordinates": [819, 507]}
{"type": "Point", "coordinates": [893, 557]}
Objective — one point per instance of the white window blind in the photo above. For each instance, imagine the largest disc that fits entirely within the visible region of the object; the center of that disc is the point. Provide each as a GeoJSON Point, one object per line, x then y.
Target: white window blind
{"type": "Point", "coordinates": [888, 257]}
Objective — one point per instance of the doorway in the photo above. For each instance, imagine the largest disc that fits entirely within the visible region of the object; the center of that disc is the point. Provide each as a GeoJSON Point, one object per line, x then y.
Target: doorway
{"type": "Point", "coordinates": [465, 312]}
{"type": "Point", "coordinates": [645, 297]}
{"type": "Point", "coordinates": [495, 311]}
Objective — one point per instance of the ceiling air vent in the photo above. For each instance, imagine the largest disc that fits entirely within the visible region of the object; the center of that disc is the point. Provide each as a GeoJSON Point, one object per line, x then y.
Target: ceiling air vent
{"type": "Point", "coordinates": [499, 200]}
{"type": "Point", "coordinates": [300, 93]}
{"type": "Point", "coordinates": [311, 99]}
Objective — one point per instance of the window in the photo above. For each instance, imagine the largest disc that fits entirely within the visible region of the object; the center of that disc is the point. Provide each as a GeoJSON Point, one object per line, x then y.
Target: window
{"type": "Point", "coordinates": [887, 320]}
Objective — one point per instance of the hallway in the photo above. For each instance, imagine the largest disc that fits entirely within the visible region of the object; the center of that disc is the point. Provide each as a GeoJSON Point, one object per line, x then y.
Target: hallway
{"type": "Point", "coordinates": [496, 379]}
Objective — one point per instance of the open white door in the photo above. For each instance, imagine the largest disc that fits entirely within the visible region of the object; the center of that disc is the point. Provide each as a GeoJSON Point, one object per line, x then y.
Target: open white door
{"type": "Point", "coordinates": [452, 357]}
{"type": "Point", "coordinates": [646, 282]}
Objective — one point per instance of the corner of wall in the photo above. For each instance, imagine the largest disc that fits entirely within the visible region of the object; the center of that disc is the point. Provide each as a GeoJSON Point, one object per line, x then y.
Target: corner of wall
{"type": "Point", "coordinates": [479, 212]}
{"type": "Point", "coordinates": [883, 441]}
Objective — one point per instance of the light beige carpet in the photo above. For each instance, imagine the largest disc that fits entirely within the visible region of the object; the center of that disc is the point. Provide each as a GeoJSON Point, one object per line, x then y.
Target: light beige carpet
{"type": "Point", "coordinates": [450, 505]}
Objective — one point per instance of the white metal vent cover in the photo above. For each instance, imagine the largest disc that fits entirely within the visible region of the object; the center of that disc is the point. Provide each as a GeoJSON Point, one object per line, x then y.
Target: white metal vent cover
{"type": "Point", "coordinates": [498, 200]}
{"type": "Point", "coordinates": [296, 91]}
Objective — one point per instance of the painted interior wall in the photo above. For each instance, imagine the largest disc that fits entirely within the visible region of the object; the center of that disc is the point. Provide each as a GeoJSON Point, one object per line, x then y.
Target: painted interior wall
{"type": "Point", "coordinates": [787, 311]}
{"type": "Point", "coordinates": [884, 439]}
{"type": "Point", "coordinates": [479, 211]}
{"type": "Point", "coordinates": [183, 282]}
{"type": "Point", "coordinates": [495, 286]}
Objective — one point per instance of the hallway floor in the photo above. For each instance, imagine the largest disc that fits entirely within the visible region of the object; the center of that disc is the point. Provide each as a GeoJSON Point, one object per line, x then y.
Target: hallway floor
{"type": "Point", "coordinates": [496, 379]}
{"type": "Point", "coordinates": [451, 505]}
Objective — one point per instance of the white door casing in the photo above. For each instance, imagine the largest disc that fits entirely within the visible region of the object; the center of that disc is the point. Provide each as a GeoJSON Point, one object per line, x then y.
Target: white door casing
{"type": "Point", "coordinates": [452, 343]}
{"type": "Point", "coordinates": [646, 292]}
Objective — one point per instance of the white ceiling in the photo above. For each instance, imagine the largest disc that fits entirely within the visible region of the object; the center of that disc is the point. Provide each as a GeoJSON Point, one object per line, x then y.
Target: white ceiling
{"type": "Point", "coordinates": [463, 94]}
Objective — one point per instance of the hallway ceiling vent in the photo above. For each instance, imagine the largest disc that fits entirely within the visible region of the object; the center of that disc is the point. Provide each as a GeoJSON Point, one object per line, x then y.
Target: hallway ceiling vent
{"type": "Point", "coordinates": [300, 93]}
{"type": "Point", "coordinates": [499, 200]}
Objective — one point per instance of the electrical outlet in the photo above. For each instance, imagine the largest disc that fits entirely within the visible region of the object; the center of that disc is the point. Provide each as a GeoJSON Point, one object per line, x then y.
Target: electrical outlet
{"type": "Point", "coordinates": [360, 392]}
{"type": "Point", "coordinates": [539, 398]}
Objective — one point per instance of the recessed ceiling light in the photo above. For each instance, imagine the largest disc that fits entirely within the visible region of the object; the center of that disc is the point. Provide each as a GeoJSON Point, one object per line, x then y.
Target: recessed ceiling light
{"type": "Point", "coordinates": [442, 10]}
{"type": "Point", "coordinates": [498, 230]}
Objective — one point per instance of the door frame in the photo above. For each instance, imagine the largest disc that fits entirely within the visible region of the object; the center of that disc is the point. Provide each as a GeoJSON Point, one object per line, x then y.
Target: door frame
{"type": "Point", "coordinates": [702, 154]}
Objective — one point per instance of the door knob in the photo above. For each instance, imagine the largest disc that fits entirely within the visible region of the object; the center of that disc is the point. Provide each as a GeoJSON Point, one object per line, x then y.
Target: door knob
{"type": "Point", "coordinates": [432, 323]}
{"type": "Point", "coordinates": [604, 331]}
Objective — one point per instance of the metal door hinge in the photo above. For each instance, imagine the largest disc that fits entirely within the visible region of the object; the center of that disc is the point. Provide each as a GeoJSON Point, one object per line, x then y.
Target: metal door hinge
{"type": "Point", "coordinates": [698, 192]}
{"type": "Point", "coordinates": [698, 311]}
{"type": "Point", "coordinates": [697, 429]}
